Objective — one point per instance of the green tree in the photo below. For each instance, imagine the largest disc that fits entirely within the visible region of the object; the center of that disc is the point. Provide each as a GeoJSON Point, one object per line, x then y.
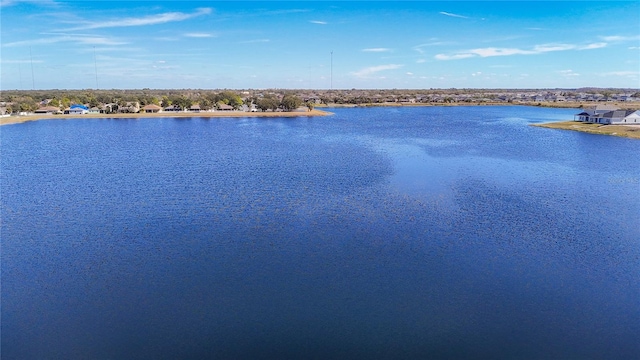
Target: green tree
{"type": "Point", "coordinates": [310, 105]}
{"type": "Point", "coordinates": [27, 104]}
{"type": "Point", "coordinates": [267, 103]}
{"type": "Point", "coordinates": [229, 98]}
{"type": "Point", "coordinates": [291, 102]}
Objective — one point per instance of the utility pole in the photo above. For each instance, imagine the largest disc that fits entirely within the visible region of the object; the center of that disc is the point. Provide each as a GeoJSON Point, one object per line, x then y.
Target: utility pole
{"type": "Point", "coordinates": [95, 63]}
{"type": "Point", "coordinates": [33, 78]}
{"type": "Point", "coordinates": [331, 78]}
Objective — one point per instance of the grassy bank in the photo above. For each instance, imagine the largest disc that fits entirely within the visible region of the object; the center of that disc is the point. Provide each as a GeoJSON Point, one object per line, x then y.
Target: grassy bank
{"type": "Point", "coordinates": [629, 131]}
{"type": "Point", "coordinates": [219, 114]}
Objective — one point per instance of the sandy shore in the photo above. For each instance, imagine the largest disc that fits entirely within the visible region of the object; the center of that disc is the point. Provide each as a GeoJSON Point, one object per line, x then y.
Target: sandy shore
{"type": "Point", "coordinates": [629, 131]}
{"type": "Point", "coordinates": [218, 114]}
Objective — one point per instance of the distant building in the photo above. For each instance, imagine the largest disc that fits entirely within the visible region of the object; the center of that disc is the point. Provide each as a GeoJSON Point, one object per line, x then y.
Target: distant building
{"type": "Point", "coordinates": [173, 108]}
{"type": "Point", "coordinates": [76, 109]}
{"type": "Point", "coordinates": [608, 115]}
{"type": "Point", "coordinates": [48, 110]}
{"type": "Point", "coordinates": [592, 114]}
{"type": "Point", "coordinates": [152, 108]}
{"type": "Point", "coordinates": [130, 107]}
{"type": "Point", "coordinates": [224, 107]}
{"type": "Point", "coordinates": [621, 117]}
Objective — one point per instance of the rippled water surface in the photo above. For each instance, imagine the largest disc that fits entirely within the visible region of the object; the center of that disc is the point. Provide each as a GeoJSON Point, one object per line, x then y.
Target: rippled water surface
{"type": "Point", "coordinates": [375, 233]}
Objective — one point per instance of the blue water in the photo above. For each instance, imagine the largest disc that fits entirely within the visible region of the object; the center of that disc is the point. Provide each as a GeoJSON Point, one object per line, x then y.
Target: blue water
{"type": "Point", "coordinates": [455, 232]}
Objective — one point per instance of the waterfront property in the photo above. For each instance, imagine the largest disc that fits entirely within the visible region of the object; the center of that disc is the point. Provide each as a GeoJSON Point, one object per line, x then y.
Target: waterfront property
{"type": "Point", "coordinates": [608, 115]}
{"type": "Point", "coordinates": [76, 109]}
{"type": "Point", "coordinates": [48, 110]}
{"type": "Point", "coordinates": [152, 108]}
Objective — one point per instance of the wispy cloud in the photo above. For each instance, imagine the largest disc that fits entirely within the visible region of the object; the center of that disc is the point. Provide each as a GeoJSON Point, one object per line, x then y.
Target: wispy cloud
{"type": "Point", "coordinates": [2, 61]}
{"type": "Point", "coordinates": [79, 39]}
{"type": "Point", "coordinates": [538, 49]}
{"type": "Point", "coordinates": [198, 35]}
{"type": "Point", "coordinates": [285, 12]}
{"type": "Point", "coordinates": [420, 48]}
{"type": "Point", "coordinates": [618, 38]}
{"type": "Point", "coordinates": [621, 73]}
{"type": "Point", "coordinates": [318, 22]}
{"type": "Point", "coordinates": [593, 46]}
{"type": "Point", "coordinates": [142, 21]}
{"type": "Point", "coordinates": [4, 3]}
{"type": "Point", "coordinates": [453, 15]}
{"type": "Point", "coordinates": [568, 73]}
{"type": "Point", "coordinates": [375, 69]}
{"type": "Point", "coordinates": [376, 50]}
{"type": "Point", "coordinates": [256, 41]}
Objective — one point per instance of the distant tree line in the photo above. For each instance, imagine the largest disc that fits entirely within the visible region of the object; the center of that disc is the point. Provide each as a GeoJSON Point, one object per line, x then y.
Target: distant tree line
{"type": "Point", "coordinates": [274, 99]}
{"type": "Point", "coordinates": [28, 101]}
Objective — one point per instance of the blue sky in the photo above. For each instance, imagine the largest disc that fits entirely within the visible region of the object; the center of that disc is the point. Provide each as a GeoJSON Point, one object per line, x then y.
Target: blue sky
{"type": "Point", "coordinates": [51, 44]}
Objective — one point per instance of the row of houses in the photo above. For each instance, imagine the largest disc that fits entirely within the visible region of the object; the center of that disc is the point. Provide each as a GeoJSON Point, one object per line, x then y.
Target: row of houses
{"type": "Point", "coordinates": [608, 115]}
{"type": "Point", "coordinates": [132, 107]}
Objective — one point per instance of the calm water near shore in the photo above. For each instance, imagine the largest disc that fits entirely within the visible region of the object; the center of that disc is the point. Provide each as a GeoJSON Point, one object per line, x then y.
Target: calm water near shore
{"type": "Point", "coordinates": [455, 232]}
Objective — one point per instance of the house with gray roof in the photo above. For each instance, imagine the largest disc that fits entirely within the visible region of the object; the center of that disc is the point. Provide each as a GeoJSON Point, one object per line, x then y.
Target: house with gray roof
{"type": "Point", "coordinates": [609, 115]}
{"type": "Point", "coordinates": [621, 117]}
{"type": "Point", "coordinates": [593, 114]}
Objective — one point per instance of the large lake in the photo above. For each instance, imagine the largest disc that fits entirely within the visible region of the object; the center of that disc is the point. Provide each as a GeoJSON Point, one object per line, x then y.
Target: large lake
{"type": "Point", "coordinates": [457, 232]}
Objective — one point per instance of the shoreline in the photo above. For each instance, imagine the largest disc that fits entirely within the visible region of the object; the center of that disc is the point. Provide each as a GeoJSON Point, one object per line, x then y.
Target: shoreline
{"type": "Point", "coordinates": [626, 131]}
{"type": "Point", "coordinates": [291, 114]}
{"type": "Point", "coordinates": [556, 105]}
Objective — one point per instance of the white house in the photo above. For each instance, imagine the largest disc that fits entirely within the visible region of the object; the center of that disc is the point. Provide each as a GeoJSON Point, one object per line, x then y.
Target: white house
{"type": "Point", "coordinates": [593, 114]}
{"type": "Point", "coordinates": [621, 117]}
{"type": "Point", "coordinates": [608, 115]}
{"type": "Point", "coordinates": [76, 109]}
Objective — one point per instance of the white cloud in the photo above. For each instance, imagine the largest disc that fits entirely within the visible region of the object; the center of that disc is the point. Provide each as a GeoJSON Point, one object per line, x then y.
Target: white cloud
{"type": "Point", "coordinates": [143, 20]}
{"type": "Point", "coordinates": [419, 48]}
{"type": "Point", "coordinates": [568, 73]}
{"type": "Point", "coordinates": [476, 74]}
{"type": "Point", "coordinates": [409, 73]}
{"type": "Point", "coordinates": [621, 73]}
{"type": "Point", "coordinates": [453, 57]}
{"type": "Point", "coordinates": [4, 3]}
{"type": "Point", "coordinates": [618, 38]}
{"type": "Point", "coordinates": [453, 15]}
{"type": "Point", "coordinates": [593, 46]}
{"type": "Point", "coordinates": [375, 69]}
{"type": "Point", "coordinates": [537, 49]}
{"type": "Point", "coordinates": [376, 50]}
{"type": "Point", "coordinates": [198, 35]}
{"type": "Point", "coordinates": [80, 39]}
{"type": "Point", "coordinates": [318, 22]}
{"type": "Point", "coordinates": [256, 41]}
{"type": "Point", "coordinates": [2, 61]}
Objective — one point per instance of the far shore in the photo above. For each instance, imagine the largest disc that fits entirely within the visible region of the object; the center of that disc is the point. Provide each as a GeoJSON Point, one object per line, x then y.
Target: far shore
{"type": "Point", "coordinates": [628, 131]}
{"type": "Point", "coordinates": [560, 105]}
{"type": "Point", "coordinates": [217, 114]}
